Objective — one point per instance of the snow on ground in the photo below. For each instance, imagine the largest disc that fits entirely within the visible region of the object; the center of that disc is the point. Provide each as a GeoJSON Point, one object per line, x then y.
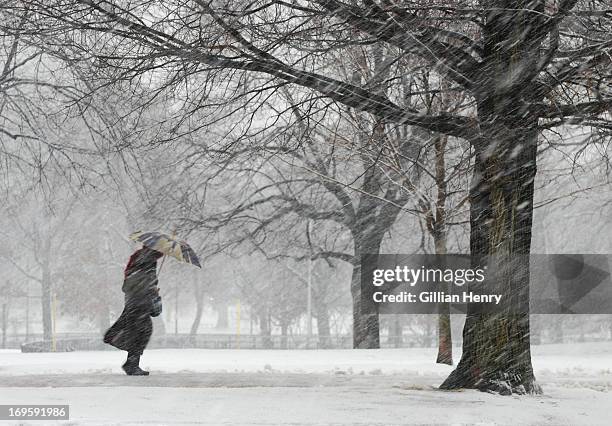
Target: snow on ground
{"type": "Point", "coordinates": [331, 387]}
{"type": "Point", "coordinates": [347, 405]}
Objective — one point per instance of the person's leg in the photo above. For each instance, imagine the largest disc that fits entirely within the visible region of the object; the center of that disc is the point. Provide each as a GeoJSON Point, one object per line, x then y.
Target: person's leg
{"type": "Point", "coordinates": [132, 367]}
{"type": "Point", "coordinates": [139, 328]}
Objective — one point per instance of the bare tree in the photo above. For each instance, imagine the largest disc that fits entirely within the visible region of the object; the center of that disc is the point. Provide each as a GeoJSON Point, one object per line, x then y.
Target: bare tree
{"type": "Point", "coordinates": [37, 239]}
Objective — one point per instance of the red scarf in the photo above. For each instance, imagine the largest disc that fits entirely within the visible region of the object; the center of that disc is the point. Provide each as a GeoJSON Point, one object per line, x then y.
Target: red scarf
{"type": "Point", "coordinates": [131, 262]}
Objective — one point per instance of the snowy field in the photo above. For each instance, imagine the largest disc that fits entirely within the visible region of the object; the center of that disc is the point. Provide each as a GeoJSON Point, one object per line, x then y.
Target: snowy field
{"type": "Point", "coordinates": [333, 387]}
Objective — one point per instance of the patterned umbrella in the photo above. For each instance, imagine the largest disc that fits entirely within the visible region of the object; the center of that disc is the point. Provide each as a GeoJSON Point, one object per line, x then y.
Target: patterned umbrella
{"type": "Point", "coordinates": [168, 245]}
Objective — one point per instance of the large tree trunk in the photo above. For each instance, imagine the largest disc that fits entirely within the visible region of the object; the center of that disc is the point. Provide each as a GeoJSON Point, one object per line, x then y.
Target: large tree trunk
{"type": "Point", "coordinates": [496, 348]}
{"type": "Point", "coordinates": [365, 325]}
{"type": "Point", "coordinates": [367, 238]}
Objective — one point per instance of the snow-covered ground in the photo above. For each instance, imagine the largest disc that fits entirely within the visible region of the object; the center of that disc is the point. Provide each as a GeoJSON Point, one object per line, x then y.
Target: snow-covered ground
{"type": "Point", "coordinates": [332, 387]}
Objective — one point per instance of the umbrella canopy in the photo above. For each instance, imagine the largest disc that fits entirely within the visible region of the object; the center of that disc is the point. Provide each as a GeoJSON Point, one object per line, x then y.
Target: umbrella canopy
{"type": "Point", "coordinates": [168, 245]}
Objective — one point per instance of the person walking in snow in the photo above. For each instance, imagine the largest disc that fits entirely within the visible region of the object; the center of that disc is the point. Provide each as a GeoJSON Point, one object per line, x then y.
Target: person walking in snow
{"type": "Point", "coordinates": [132, 331]}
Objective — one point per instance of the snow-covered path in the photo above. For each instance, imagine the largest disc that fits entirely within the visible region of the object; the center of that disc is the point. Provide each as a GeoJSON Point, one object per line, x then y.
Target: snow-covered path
{"type": "Point", "coordinates": [378, 387]}
{"type": "Point", "coordinates": [349, 404]}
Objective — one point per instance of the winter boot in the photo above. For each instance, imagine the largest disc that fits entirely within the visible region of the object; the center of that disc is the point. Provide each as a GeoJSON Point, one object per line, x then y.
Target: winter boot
{"type": "Point", "coordinates": [131, 366]}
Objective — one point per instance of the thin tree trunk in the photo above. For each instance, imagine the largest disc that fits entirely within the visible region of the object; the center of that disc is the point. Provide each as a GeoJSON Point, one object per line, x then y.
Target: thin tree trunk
{"type": "Point", "coordinates": [199, 299]}
{"type": "Point", "coordinates": [45, 301]}
{"type": "Point", "coordinates": [222, 315]}
{"type": "Point", "coordinates": [4, 323]}
{"type": "Point", "coordinates": [557, 329]}
{"type": "Point", "coordinates": [323, 327]}
{"type": "Point", "coordinates": [445, 340]}
{"type": "Point", "coordinates": [198, 317]}
{"type": "Point", "coordinates": [396, 331]}
{"type": "Point", "coordinates": [46, 284]}
{"type": "Point", "coordinates": [284, 328]}
{"type": "Point", "coordinates": [264, 328]}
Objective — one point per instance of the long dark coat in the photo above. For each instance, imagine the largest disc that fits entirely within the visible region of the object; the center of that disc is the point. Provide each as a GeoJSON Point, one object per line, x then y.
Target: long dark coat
{"type": "Point", "coordinates": [132, 331]}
